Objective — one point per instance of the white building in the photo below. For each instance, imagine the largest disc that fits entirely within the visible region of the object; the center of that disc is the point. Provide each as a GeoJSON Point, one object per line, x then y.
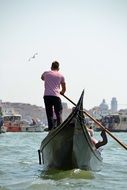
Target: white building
{"type": "Point", "coordinates": [114, 105]}
{"type": "Point", "coordinates": [101, 110]}
{"type": "Point", "coordinates": [104, 110]}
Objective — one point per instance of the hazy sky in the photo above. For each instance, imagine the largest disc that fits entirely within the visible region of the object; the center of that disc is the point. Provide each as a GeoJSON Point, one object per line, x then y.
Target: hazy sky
{"type": "Point", "coordinates": [87, 37]}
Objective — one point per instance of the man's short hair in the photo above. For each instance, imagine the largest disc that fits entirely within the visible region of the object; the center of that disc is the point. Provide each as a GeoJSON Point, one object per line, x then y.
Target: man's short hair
{"type": "Point", "coordinates": [55, 65]}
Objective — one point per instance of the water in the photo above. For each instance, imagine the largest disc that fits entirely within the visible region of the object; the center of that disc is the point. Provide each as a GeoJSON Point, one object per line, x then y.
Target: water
{"type": "Point", "coordinates": [19, 168]}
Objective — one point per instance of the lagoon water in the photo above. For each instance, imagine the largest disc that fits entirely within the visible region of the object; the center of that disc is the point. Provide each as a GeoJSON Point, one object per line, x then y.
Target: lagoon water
{"type": "Point", "coordinates": [19, 168]}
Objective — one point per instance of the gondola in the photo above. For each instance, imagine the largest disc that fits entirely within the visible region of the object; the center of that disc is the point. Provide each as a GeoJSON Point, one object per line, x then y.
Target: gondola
{"type": "Point", "coordinates": [69, 146]}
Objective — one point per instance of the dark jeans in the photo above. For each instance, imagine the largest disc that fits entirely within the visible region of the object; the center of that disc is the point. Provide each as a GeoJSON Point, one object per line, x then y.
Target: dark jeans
{"type": "Point", "coordinates": [50, 102]}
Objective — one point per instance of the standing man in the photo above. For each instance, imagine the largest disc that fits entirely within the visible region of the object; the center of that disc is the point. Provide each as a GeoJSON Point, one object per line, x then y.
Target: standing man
{"type": "Point", "coordinates": [54, 83]}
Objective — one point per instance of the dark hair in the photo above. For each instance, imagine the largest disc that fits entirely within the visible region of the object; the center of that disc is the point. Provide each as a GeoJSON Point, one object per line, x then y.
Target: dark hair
{"type": "Point", "coordinates": [55, 65]}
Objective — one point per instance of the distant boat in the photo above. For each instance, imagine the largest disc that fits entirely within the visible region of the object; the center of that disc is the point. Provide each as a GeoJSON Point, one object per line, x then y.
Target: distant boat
{"type": "Point", "coordinates": [37, 127]}
{"type": "Point", "coordinates": [114, 122]}
{"type": "Point", "coordinates": [13, 123]}
{"type": "Point", "coordinates": [69, 146]}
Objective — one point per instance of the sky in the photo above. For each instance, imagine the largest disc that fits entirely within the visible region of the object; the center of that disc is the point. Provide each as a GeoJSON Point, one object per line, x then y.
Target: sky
{"type": "Point", "coordinates": [87, 37]}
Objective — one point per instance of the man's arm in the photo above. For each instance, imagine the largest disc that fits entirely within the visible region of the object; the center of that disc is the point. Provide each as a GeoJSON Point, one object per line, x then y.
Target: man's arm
{"type": "Point", "coordinates": [63, 85]}
{"type": "Point", "coordinates": [42, 77]}
{"type": "Point", "coordinates": [104, 141]}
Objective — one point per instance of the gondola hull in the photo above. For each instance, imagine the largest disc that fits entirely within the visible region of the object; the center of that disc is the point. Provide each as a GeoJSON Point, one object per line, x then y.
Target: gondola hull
{"type": "Point", "coordinates": [69, 146]}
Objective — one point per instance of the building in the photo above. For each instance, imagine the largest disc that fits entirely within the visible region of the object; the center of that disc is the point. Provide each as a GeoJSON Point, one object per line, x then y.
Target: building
{"type": "Point", "coordinates": [103, 107]}
{"type": "Point", "coordinates": [114, 105]}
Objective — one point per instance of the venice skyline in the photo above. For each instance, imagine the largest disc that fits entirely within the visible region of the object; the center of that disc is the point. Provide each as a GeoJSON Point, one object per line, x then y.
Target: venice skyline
{"type": "Point", "coordinates": [88, 38]}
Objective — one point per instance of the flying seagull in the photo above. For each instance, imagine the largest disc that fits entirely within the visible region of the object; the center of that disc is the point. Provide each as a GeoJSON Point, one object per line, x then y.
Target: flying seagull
{"type": "Point", "coordinates": [33, 57]}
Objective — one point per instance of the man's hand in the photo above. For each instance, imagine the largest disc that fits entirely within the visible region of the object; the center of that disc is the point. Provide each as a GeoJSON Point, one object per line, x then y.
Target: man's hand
{"type": "Point", "coordinates": [62, 93]}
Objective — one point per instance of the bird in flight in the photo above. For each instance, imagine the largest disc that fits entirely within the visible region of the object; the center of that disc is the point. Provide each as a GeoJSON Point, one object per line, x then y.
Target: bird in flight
{"type": "Point", "coordinates": [33, 57]}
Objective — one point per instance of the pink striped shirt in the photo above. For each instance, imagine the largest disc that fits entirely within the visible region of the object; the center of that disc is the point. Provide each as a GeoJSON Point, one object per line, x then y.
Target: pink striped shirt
{"type": "Point", "coordinates": [53, 80]}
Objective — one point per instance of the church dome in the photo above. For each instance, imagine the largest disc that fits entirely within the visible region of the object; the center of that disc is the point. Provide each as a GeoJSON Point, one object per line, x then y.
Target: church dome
{"type": "Point", "coordinates": [103, 105]}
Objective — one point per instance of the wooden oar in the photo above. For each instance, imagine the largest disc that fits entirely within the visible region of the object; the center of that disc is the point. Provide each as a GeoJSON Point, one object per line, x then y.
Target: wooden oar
{"type": "Point", "coordinates": [99, 124]}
